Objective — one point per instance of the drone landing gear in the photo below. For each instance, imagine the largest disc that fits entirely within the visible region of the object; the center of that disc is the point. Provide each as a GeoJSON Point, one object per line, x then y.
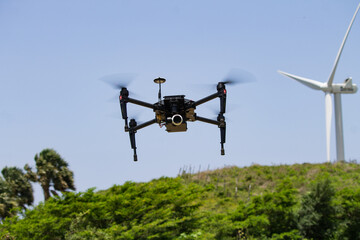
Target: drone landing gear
{"type": "Point", "coordinates": [132, 132]}
{"type": "Point", "coordinates": [222, 126]}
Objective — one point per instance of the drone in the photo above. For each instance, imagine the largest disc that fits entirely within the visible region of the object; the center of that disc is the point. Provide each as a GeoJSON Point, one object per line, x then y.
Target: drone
{"type": "Point", "coordinates": [173, 112]}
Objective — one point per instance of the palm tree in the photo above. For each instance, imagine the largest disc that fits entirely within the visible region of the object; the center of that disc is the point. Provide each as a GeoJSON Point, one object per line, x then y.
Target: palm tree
{"type": "Point", "coordinates": [19, 186]}
{"type": "Point", "coordinates": [7, 202]}
{"type": "Point", "coordinates": [51, 171]}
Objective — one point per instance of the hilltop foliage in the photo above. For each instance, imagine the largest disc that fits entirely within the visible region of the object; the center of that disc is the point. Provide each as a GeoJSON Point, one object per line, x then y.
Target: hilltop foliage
{"type": "Point", "coordinates": [302, 201]}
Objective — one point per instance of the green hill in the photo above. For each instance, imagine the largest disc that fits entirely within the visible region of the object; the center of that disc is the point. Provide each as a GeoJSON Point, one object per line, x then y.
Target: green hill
{"type": "Point", "coordinates": [301, 201]}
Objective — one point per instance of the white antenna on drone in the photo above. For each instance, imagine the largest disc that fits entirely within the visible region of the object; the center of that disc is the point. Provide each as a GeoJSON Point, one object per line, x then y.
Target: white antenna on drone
{"type": "Point", "coordinates": [332, 88]}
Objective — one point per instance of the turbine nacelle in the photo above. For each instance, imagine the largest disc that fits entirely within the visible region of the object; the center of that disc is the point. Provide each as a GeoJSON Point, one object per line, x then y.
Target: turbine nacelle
{"type": "Point", "coordinates": [346, 87]}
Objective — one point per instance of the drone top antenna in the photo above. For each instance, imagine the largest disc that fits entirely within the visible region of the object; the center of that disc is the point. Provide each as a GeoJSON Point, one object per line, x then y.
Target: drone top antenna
{"type": "Point", "coordinates": [159, 81]}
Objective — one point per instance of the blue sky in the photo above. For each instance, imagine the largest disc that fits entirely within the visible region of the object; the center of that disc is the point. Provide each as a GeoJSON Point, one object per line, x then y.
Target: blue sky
{"type": "Point", "coordinates": [53, 53]}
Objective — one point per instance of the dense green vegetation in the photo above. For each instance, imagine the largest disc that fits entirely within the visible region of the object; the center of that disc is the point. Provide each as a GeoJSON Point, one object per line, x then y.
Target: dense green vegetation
{"type": "Point", "coordinates": [301, 201]}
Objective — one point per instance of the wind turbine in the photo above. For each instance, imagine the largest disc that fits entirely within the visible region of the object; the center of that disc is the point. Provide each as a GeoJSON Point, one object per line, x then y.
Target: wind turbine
{"type": "Point", "coordinates": [332, 88]}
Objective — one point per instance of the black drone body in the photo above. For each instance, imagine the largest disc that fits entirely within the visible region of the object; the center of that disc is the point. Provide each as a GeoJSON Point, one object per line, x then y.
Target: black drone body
{"type": "Point", "coordinates": [173, 112]}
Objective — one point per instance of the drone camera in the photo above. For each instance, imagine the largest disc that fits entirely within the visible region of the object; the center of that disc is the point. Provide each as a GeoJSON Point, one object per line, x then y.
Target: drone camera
{"type": "Point", "coordinates": [176, 123]}
{"type": "Point", "coordinates": [177, 119]}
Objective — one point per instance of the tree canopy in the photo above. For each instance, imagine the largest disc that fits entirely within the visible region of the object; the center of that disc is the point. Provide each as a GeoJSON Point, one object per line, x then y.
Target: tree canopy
{"type": "Point", "coordinates": [15, 191]}
{"type": "Point", "coordinates": [52, 173]}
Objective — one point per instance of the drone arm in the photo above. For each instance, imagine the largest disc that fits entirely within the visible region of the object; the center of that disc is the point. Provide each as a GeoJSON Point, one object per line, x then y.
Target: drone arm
{"type": "Point", "coordinates": [221, 93]}
{"type": "Point", "coordinates": [140, 103]}
{"type": "Point", "coordinates": [207, 120]}
{"type": "Point", "coordinates": [124, 99]}
{"type": "Point", "coordinates": [206, 99]}
{"type": "Point", "coordinates": [145, 124]}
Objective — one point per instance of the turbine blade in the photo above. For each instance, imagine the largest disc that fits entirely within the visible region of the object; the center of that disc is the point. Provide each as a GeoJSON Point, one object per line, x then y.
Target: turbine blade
{"type": "Point", "coordinates": [328, 116]}
{"type": "Point", "coordinates": [308, 82]}
{"type": "Point", "coordinates": [332, 74]}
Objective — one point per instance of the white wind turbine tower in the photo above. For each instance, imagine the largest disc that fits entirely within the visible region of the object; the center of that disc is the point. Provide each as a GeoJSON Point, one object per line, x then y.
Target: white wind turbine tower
{"type": "Point", "coordinates": [332, 88]}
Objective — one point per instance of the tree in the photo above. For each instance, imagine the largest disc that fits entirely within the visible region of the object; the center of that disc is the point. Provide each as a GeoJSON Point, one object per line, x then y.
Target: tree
{"type": "Point", "coordinates": [19, 186]}
{"type": "Point", "coordinates": [15, 191]}
{"type": "Point", "coordinates": [51, 172]}
{"type": "Point", "coordinates": [317, 214]}
{"type": "Point", "coordinates": [7, 202]}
